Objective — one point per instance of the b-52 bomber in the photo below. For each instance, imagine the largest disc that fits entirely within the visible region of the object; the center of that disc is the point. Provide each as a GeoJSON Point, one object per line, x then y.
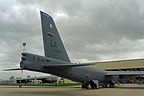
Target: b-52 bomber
{"type": "Point", "coordinates": [57, 62]}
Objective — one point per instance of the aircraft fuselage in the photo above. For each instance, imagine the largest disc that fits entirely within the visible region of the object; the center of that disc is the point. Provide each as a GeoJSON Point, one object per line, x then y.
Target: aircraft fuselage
{"type": "Point", "coordinates": [80, 74]}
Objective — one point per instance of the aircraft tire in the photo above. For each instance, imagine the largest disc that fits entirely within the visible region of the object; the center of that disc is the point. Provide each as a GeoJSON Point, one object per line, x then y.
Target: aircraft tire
{"type": "Point", "coordinates": [88, 86]}
{"type": "Point", "coordinates": [83, 85]}
{"type": "Point", "coordinates": [91, 85]}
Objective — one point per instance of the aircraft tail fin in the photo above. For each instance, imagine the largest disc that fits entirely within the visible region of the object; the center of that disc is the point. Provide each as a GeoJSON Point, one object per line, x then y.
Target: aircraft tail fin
{"type": "Point", "coordinates": [53, 45]}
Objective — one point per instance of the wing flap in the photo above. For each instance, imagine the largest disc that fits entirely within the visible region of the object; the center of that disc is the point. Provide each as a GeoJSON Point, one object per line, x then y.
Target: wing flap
{"type": "Point", "coordinates": [111, 73]}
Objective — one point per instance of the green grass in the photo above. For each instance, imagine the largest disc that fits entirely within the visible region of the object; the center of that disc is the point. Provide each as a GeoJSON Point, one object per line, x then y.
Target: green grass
{"type": "Point", "coordinates": [49, 84]}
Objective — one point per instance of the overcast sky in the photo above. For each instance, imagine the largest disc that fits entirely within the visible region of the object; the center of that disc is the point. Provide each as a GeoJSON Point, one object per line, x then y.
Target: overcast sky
{"type": "Point", "coordinates": [92, 30]}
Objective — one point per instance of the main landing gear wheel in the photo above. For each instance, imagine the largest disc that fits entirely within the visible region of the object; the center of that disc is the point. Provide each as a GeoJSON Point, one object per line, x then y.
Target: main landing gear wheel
{"type": "Point", "coordinates": [83, 85]}
{"type": "Point", "coordinates": [89, 85]}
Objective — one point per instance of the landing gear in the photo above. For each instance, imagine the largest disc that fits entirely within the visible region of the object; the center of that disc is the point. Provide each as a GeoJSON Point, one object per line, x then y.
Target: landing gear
{"type": "Point", "coordinates": [89, 85]}
{"type": "Point", "coordinates": [83, 85]}
{"type": "Point", "coordinates": [111, 84]}
{"type": "Point", "coordinates": [104, 86]}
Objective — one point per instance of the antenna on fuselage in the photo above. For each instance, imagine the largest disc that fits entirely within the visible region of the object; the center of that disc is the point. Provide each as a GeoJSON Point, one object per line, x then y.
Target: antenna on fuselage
{"type": "Point", "coordinates": [24, 46]}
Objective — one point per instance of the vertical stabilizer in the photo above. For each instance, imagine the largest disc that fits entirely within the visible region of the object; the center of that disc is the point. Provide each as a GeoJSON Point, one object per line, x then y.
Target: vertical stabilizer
{"type": "Point", "coordinates": [53, 45]}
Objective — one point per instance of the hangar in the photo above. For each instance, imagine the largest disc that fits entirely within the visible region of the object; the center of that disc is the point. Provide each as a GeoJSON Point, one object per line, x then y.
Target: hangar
{"type": "Point", "coordinates": [124, 65]}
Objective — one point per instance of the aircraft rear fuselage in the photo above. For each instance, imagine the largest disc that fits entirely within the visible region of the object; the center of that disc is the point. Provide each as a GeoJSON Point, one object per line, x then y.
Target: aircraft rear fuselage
{"type": "Point", "coordinates": [79, 74]}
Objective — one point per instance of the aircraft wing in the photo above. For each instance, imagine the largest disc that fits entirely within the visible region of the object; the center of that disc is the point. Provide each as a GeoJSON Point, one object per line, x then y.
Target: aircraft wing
{"type": "Point", "coordinates": [67, 65]}
{"type": "Point", "coordinates": [12, 69]}
{"type": "Point", "coordinates": [111, 73]}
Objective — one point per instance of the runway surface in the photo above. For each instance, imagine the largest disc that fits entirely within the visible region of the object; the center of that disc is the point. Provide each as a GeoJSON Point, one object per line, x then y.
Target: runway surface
{"type": "Point", "coordinates": [122, 90]}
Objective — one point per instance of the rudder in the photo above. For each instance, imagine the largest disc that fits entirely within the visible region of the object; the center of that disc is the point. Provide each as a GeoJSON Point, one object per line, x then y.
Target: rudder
{"type": "Point", "coordinates": [53, 45]}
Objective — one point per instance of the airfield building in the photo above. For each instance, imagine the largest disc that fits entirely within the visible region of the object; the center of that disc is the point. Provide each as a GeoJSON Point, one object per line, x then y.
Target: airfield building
{"type": "Point", "coordinates": [124, 65]}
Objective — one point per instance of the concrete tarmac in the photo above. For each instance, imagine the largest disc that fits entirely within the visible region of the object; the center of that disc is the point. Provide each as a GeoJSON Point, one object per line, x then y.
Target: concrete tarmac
{"type": "Point", "coordinates": [122, 90]}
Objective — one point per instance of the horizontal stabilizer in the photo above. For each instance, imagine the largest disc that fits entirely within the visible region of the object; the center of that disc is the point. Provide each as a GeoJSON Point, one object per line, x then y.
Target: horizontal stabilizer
{"type": "Point", "coordinates": [67, 65]}
{"type": "Point", "coordinates": [12, 69]}
{"type": "Point", "coordinates": [111, 73]}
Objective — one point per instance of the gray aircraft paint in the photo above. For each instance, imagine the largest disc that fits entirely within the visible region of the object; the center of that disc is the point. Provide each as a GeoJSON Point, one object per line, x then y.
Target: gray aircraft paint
{"type": "Point", "coordinates": [53, 45]}
{"type": "Point", "coordinates": [79, 74]}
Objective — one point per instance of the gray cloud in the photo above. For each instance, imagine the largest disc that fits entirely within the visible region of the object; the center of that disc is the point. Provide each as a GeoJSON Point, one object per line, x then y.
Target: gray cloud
{"type": "Point", "coordinates": [92, 30]}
